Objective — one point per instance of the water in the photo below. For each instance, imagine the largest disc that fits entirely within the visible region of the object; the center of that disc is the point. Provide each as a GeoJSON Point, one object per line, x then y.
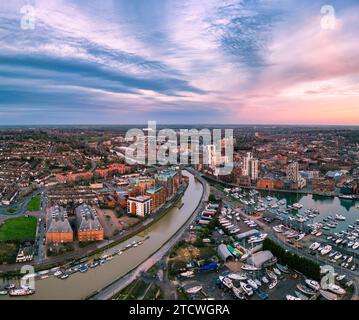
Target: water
{"type": "Point", "coordinates": [326, 205]}
{"type": "Point", "coordinates": [81, 285]}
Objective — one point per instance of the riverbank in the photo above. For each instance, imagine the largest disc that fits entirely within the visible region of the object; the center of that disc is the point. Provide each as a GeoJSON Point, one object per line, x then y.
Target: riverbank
{"type": "Point", "coordinates": [13, 270]}
{"type": "Point", "coordinates": [109, 291]}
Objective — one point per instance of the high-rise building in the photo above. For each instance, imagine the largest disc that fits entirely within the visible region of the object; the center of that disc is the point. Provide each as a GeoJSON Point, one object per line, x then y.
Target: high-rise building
{"type": "Point", "coordinates": [253, 164]}
{"type": "Point", "coordinates": [250, 167]}
{"type": "Point", "coordinates": [293, 172]}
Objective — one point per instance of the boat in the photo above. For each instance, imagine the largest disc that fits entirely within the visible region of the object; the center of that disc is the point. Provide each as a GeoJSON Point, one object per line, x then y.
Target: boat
{"type": "Point", "coordinates": [237, 293]}
{"type": "Point", "coordinates": [94, 264]}
{"type": "Point", "coordinates": [290, 297]}
{"type": "Point", "coordinates": [335, 289]}
{"type": "Point", "coordinates": [301, 295]}
{"type": "Point", "coordinates": [271, 274]}
{"type": "Point", "coordinates": [328, 295]}
{"type": "Point", "coordinates": [277, 229]}
{"type": "Point", "coordinates": [259, 238]}
{"type": "Point", "coordinates": [340, 278]}
{"type": "Point", "coordinates": [44, 276]}
{"type": "Point", "coordinates": [297, 206]}
{"type": "Point", "coordinates": [282, 268]}
{"type": "Point", "coordinates": [273, 284]}
{"type": "Point", "coordinates": [340, 217]}
{"type": "Point", "coordinates": [246, 288]}
{"type": "Point", "coordinates": [3, 293]}
{"type": "Point", "coordinates": [265, 280]}
{"type": "Point", "coordinates": [194, 290]}
{"type": "Point", "coordinates": [276, 271]}
{"type": "Point", "coordinates": [21, 292]}
{"type": "Point", "coordinates": [252, 283]}
{"type": "Point", "coordinates": [58, 273]}
{"type": "Point", "coordinates": [326, 250]}
{"type": "Point", "coordinates": [83, 269]}
{"type": "Point", "coordinates": [9, 286]}
{"type": "Point", "coordinates": [237, 276]}
{"type": "Point", "coordinates": [314, 246]}
{"type": "Point", "coordinates": [305, 290]}
{"type": "Point", "coordinates": [312, 284]}
{"type": "Point", "coordinates": [338, 241]}
{"type": "Point", "coordinates": [338, 256]}
{"type": "Point", "coordinates": [226, 281]}
{"type": "Point", "coordinates": [64, 276]}
{"type": "Point", "coordinates": [258, 283]}
{"type": "Point", "coordinates": [350, 259]}
{"type": "Point", "coordinates": [187, 274]}
{"type": "Point", "coordinates": [318, 234]}
{"type": "Point", "coordinates": [248, 267]}
{"type": "Point", "coordinates": [355, 245]}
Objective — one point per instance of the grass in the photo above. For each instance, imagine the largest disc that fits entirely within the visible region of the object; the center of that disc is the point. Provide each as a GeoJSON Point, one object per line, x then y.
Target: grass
{"type": "Point", "coordinates": [11, 211]}
{"type": "Point", "coordinates": [23, 228]}
{"type": "Point", "coordinates": [34, 204]}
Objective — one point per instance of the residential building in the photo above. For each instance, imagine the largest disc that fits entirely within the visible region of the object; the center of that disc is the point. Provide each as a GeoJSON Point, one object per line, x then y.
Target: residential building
{"type": "Point", "coordinates": [88, 226]}
{"type": "Point", "coordinates": [157, 195]}
{"type": "Point", "coordinates": [139, 206]}
{"type": "Point", "coordinates": [58, 226]}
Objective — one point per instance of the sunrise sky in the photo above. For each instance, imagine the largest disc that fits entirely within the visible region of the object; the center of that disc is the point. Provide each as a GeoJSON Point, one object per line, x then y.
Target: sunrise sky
{"type": "Point", "coordinates": [188, 61]}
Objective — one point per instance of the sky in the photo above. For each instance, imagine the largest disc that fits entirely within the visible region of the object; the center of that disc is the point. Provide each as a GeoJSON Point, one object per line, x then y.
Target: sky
{"type": "Point", "coordinates": [174, 62]}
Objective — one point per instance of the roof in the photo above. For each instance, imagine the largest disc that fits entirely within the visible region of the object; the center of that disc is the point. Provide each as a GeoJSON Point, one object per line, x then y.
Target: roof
{"type": "Point", "coordinates": [87, 218]}
{"type": "Point", "coordinates": [223, 252]}
{"type": "Point", "coordinates": [57, 220]}
{"type": "Point", "coordinates": [259, 258]}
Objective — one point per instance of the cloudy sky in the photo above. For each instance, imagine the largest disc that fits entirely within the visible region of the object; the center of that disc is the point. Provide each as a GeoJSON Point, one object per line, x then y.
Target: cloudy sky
{"type": "Point", "coordinates": [188, 61]}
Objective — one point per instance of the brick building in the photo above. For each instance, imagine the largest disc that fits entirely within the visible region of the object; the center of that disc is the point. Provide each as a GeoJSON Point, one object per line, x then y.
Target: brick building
{"type": "Point", "coordinates": [58, 227]}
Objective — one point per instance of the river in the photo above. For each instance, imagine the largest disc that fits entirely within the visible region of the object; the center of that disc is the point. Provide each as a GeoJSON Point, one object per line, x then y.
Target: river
{"type": "Point", "coordinates": [81, 285]}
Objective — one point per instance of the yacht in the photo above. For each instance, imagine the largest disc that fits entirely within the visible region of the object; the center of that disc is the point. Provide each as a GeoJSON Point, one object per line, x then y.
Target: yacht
{"type": "Point", "coordinates": [336, 289]}
{"type": "Point", "coordinates": [238, 294]}
{"type": "Point", "coordinates": [314, 246]}
{"type": "Point", "coordinates": [305, 290]}
{"type": "Point", "coordinates": [301, 295]}
{"type": "Point", "coordinates": [246, 288]}
{"type": "Point", "coordinates": [326, 250]}
{"type": "Point", "coordinates": [273, 284]}
{"type": "Point", "coordinates": [248, 267]}
{"type": "Point", "coordinates": [58, 273]}
{"type": "Point", "coordinates": [328, 295]}
{"type": "Point", "coordinates": [338, 256]}
{"type": "Point", "coordinates": [265, 280]}
{"type": "Point", "coordinates": [237, 276]}
{"type": "Point", "coordinates": [21, 292]}
{"type": "Point", "coordinates": [297, 206]}
{"type": "Point", "coordinates": [252, 283]}
{"type": "Point", "coordinates": [276, 271]}
{"type": "Point", "coordinates": [339, 217]}
{"type": "Point", "coordinates": [356, 245]}
{"type": "Point", "coordinates": [271, 274]}
{"type": "Point", "coordinates": [312, 284]}
{"type": "Point", "coordinates": [194, 290]}
{"type": "Point", "coordinates": [226, 281]}
{"type": "Point", "coordinates": [340, 278]}
{"type": "Point", "coordinates": [289, 297]}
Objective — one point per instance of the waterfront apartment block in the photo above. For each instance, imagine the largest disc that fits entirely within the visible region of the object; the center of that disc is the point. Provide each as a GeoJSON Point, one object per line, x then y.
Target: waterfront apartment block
{"type": "Point", "coordinates": [88, 226]}
{"type": "Point", "coordinates": [170, 179]}
{"type": "Point", "coordinates": [157, 195]}
{"type": "Point", "coordinates": [139, 206]}
{"type": "Point", "coordinates": [58, 227]}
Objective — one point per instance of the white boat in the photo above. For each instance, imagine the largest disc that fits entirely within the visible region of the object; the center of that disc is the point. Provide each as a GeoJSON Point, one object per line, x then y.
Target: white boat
{"type": "Point", "coordinates": [336, 289]}
{"type": "Point", "coordinates": [21, 292]}
{"type": "Point", "coordinates": [277, 229]}
{"type": "Point", "coordinates": [355, 245]}
{"type": "Point", "coordinates": [273, 284]}
{"type": "Point", "coordinates": [289, 297]}
{"type": "Point", "coordinates": [305, 290]}
{"type": "Point", "coordinates": [252, 283]}
{"type": "Point", "coordinates": [314, 246]}
{"type": "Point", "coordinates": [340, 278]}
{"type": "Point", "coordinates": [226, 281]}
{"type": "Point", "coordinates": [237, 276]}
{"type": "Point", "coordinates": [338, 256]}
{"type": "Point", "coordinates": [297, 206]}
{"type": "Point", "coordinates": [256, 239]}
{"type": "Point", "coordinates": [265, 280]}
{"type": "Point", "coordinates": [58, 273]}
{"type": "Point", "coordinates": [248, 267]}
{"type": "Point", "coordinates": [326, 250]}
{"type": "Point", "coordinates": [312, 284]}
{"type": "Point", "coordinates": [277, 271]}
{"type": "Point", "coordinates": [246, 288]}
{"type": "Point", "coordinates": [350, 259]}
{"type": "Point", "coordinates": [194, 290]}
{"type": "Point", "coordinates": [318, 234]}
{"type": "Point", "coordinates": [340, 217]}
{"type": "Point", "coordinates": [328, 295]}
{"type": "Point", "coordinates": [187, 274]}
{"type": "Point", "coordinates": [271, 274]}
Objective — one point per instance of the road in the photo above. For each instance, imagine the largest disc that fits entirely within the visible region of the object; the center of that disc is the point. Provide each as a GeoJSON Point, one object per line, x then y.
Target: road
{"type": "Point", "coordinates": [120, 284]}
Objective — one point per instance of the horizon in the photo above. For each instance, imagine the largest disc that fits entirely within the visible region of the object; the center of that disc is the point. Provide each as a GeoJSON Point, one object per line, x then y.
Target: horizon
{"type": "Point", "coordinates": [234, 62]}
